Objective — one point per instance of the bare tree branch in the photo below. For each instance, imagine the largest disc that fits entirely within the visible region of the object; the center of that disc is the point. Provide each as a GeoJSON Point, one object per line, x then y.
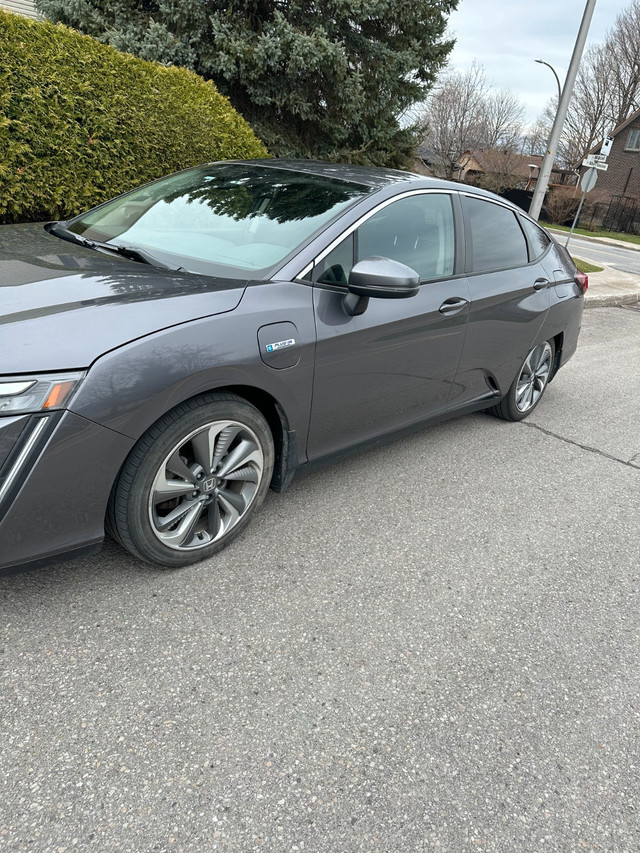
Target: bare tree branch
{"type": "Point", "coordinates": [463, 114]}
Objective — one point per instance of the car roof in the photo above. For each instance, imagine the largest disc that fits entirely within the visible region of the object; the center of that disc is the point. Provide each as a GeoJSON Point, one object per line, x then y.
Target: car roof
{"type": "Point", "coordinates": [372, 176]}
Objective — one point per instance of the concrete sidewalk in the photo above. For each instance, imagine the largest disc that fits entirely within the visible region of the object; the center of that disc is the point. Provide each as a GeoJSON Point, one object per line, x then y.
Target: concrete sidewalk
{"type": "Point", "coordinates": [610, 287]}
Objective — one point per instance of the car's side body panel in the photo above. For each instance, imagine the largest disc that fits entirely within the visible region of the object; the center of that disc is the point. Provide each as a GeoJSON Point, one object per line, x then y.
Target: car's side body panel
{"type": "Point", "coordinates": [567, 303]}
{"type": "Point", "coordinates": [134, 385]}
{"type": "Point", "coordinates": [389, 367]}
{"type": "Point", "coordinates": [505, 317]}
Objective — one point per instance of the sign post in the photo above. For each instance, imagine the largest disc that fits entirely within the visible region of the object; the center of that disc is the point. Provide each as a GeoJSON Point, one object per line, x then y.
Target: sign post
{"type": "Point", "coordinates": [587, 183]}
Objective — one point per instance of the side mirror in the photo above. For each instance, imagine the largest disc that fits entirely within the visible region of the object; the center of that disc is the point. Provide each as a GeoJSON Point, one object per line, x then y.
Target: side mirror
{"type": "Point", "coordinates": [379, 277]}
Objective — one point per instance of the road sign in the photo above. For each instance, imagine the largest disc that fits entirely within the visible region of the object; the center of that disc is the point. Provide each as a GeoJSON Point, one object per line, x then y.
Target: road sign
{"type": "Point", "coordinates": [588, 181]}
{"type": "Point", "coordinates": [606, 146]}
{"type": "Point", "coordinates": [595, 160]}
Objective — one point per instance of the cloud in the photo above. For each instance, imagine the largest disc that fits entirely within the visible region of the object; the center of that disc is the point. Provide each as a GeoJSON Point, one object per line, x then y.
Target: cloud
{"type": "Point", "coordinates": [506, 36]}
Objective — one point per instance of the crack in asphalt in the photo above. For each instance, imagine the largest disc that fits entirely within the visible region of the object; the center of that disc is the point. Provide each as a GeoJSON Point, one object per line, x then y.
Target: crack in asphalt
{"type": "Point", "coordinates": [629, 464]}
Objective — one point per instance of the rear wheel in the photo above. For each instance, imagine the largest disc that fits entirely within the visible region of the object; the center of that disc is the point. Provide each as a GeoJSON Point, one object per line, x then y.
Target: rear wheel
{"type": "Point", "coordinates": [528, 386]}
{"type": "Point", "coordinates": [193, 481]}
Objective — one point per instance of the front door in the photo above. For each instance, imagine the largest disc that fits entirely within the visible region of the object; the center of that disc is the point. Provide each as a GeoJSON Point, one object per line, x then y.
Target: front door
{"type": "Point", "coordinates": [394, 364]}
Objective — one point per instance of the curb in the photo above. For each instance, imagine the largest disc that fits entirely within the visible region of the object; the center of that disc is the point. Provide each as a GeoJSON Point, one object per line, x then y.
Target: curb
{"type": "Point", "coordinates": [610, 300]}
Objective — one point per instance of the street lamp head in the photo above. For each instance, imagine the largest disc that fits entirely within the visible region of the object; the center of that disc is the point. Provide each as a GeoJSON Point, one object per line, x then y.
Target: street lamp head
{"type": "Point", "coordinates": [555, 74]}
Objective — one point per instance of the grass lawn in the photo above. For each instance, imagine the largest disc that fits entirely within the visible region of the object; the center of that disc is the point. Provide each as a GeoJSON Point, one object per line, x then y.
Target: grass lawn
{"type": "Point", "coordinates": [585, 266]}
{"type": "Point", "coordinates": [615, 235]}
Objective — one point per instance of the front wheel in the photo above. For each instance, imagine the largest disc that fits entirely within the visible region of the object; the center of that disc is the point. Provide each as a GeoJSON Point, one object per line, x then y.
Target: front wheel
{"type": "Point", "coordinates": [528, 386]}
{"type": "Point", "coordinates": [193, 480]}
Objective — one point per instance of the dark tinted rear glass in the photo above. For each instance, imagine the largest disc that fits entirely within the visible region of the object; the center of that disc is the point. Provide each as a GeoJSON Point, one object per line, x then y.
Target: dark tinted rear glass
{"type": "Point", "coordinates": [497, 239]}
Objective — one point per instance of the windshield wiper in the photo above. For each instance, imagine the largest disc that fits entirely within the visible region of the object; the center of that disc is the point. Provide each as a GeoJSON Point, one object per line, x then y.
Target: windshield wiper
{"type": "Point", "coordinates": [134, 253]}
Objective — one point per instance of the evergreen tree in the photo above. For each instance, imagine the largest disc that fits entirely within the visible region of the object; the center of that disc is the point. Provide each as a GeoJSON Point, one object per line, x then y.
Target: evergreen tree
{"type": "Point", "coordinates": [315, 78]}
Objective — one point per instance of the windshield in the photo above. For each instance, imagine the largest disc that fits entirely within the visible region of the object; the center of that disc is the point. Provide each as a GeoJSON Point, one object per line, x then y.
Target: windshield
{"type": "Point", "coordinates": [226, 219]}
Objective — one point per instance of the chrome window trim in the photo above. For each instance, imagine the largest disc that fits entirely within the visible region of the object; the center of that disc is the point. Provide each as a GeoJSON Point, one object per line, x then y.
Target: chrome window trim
{"type": "Point", "coordinates": [22, 457]}
{"type": "Point", "coordinates": [495, 201]}
{"type": "Point", "coordinates": [346, 233]}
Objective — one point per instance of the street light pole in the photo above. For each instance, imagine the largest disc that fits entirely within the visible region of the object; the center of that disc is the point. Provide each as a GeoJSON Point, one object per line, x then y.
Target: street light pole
{"type": "Point", "coordinates": [561, 114]}
{"type": "Point", "coordinates": [555, 74]}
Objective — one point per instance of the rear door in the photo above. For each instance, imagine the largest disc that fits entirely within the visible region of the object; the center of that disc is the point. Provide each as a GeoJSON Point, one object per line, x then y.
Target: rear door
{"type": "Point", "coordinates": [394, 364]}
{"type": "Point", "coordinates": [510, 298]}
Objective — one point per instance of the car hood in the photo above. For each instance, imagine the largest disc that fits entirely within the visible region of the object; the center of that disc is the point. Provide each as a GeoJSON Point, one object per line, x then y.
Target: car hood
{"type": "Point", "coordinates": [62, 306]}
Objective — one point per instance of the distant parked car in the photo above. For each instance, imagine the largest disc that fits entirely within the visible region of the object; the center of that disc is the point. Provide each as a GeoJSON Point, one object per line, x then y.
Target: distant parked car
{"type": "Point", "coordinates": [169, 355]}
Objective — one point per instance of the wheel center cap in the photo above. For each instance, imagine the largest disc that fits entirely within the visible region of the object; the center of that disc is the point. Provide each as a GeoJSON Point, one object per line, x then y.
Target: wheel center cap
{"type": "Point", "coordinates": [209, 484]}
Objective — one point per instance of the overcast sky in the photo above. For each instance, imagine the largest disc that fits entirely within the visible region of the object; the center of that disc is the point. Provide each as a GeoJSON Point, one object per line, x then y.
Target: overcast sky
{"type": "Point", "coordinates": [506, 36]}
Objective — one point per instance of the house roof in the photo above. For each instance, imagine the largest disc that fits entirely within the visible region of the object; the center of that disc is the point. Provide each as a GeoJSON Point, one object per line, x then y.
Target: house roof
{"type": "Point", "coordinates": [519, 164]}
{"type": "Point", "coordinates": [626, 123]}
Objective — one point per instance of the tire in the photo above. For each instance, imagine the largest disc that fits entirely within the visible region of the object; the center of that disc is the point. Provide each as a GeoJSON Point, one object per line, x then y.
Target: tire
{"type": "Point", "coordinates": [193, 481]}
{"type": "Point", "coordinates": [528, 387]}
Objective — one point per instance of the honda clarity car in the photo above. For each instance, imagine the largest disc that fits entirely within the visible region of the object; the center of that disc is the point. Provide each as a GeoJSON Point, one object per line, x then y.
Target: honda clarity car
{"type": "Point", "coordinates": [172, 354]}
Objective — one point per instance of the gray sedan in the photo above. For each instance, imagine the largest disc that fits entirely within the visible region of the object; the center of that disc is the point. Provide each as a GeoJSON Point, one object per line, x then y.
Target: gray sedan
{"type": "Point", "coordinates": [172, 354]}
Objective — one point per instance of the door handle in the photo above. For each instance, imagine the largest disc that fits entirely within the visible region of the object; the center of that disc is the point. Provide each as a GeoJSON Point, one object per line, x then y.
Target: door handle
{"type": "Point", "coordinates": [453, 305]}
{"type": "Point", "coordinates": [540, 283]}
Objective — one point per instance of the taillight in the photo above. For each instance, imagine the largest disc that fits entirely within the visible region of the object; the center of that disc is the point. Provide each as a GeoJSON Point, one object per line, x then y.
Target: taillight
{"type": "Point", "coordinates": [582, 280]}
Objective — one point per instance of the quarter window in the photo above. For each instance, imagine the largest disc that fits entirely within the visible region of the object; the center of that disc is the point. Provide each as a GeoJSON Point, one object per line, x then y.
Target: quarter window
{"type": "Point", "coordinates": [337, 264]}
{"type": "Point", "coordinates": [539, 240]}
{"type": "Point", "coordinates": [496, 236]}
{"type": "Point", "coordinates": [633, 143]}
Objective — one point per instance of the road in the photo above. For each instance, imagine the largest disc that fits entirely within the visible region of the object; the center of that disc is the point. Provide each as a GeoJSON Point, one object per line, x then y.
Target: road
{"type": "Point", "coordinates": [431, 645]}
{"type": "Point", "coordinates": [625, 260]}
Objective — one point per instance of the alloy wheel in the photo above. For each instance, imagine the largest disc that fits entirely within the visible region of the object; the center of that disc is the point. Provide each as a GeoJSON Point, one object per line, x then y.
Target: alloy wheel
{"type": "Point", "coordinates": [533, 377]}
{"type": "Point", "coordinates": [206, 485]}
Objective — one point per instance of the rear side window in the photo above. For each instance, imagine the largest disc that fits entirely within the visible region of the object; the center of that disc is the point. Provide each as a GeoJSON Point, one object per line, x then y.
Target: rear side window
{"type": "Point", "coordinates": [496, 237]}
{"type": "Point", "coordinates": [539, 240]}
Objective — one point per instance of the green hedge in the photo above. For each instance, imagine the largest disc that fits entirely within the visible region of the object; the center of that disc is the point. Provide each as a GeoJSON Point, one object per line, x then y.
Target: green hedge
{"type": "Point", "coordinates": [81, 122]}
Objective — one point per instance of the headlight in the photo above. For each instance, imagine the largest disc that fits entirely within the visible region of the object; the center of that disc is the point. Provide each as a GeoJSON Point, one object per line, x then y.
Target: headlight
{"type": "Point", "coordinates": [37, 393]}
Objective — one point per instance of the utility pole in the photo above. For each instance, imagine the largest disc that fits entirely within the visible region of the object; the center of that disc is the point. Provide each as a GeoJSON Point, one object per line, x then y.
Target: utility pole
{"type": "Point", "coordinates": [563, 106]}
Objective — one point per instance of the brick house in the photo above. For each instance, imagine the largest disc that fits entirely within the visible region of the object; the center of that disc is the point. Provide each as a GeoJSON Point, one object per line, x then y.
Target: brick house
{"type": "Point", "coordinates": [622, 178]}
{"type": "Point", "coordinates": [22, 7]}
{"type": "Point", "coordinates": [618, 189]}
{"type": "Point", "coordinates": [509, 168]}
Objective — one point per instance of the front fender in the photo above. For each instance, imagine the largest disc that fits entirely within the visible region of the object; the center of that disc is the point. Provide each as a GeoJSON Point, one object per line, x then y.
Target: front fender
{"type": "Point", "coordinates": [129, 388]}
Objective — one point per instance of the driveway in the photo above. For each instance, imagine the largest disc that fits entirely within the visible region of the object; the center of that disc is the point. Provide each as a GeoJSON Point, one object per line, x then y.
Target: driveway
{"type": "Point", "coordinates": [433, 644]}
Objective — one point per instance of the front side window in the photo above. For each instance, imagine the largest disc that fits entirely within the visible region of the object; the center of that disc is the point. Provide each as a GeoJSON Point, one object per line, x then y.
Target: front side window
{"type": "Point", "coordinates": [633, 142]}
{"type": "Point", "coordinates": [416, 231]}
{"type": "Point", "coordinates": [497, 239]}
{"type": "Point", "coordinates": [228, 219]}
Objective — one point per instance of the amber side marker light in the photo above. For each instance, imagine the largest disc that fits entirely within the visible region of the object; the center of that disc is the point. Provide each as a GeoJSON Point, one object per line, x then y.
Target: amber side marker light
{"type": "Point", "coordinates": [58, 395]}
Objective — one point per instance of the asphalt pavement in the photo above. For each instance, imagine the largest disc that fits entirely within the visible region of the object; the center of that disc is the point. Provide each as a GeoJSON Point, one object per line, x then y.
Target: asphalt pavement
{"type": "Point", "coordinates": [431, 645]}
{"type": "Point", "coordinates": [620, 258]}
